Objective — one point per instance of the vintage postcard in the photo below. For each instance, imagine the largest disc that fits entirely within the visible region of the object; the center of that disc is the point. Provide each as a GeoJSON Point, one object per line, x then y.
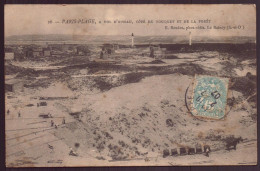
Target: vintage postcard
{"type": "Point", "coordinates": [130, 85]}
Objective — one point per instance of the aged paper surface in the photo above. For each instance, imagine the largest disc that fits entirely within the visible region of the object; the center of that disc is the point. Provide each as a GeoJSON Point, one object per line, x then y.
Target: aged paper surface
{"type": "Point", "coordinates": [130, 85]}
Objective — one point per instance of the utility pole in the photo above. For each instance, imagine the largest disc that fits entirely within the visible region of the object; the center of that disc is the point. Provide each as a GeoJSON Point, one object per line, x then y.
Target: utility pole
{"type": "Point", "coordinates": [190, 38]}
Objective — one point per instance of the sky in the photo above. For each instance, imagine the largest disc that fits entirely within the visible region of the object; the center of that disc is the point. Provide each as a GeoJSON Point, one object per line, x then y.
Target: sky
{"type": "Point", "coordinates": [33, 19]}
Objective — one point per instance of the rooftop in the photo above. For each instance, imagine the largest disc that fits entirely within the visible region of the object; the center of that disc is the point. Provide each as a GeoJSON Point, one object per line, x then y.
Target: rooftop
{"type": "Point", "coordinates": [13, 81]}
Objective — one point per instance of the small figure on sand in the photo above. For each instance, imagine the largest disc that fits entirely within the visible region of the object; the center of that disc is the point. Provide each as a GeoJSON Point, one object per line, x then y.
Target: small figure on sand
{"type": "Point", "coordinates": [63, 121]}
{"type": "Point", "coordinates": [51, 147]}
{"type": "Point", "coordinates": [207, 150]}
{"type": "Point", "coordinates": [8, 111]}
{"type": "Point", "coordinates": [72, 153]}
{"type": "Point", "coordinates": [52, 123]}
{"type": "Point", "coordinates": [19, 114]}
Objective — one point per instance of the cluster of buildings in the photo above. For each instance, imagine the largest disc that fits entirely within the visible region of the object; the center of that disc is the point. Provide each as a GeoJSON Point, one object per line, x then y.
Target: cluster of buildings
{"type": "Point", "coordinates": [14, 53]}
{"type": "Point", "coordinates": [20, 52]}
{"type": "Point", "coordinates": [156, 51]}
{"type": "Point", "coordinates": [107, 50]}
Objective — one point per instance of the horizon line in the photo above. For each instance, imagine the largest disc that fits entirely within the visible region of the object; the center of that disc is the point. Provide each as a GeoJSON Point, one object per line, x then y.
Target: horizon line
{"type": "Point", "coordinates": [123, 35]}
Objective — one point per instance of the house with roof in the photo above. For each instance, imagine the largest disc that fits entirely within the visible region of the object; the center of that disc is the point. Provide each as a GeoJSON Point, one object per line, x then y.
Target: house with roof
{"type": "Point", "coordinates": [14, 85]}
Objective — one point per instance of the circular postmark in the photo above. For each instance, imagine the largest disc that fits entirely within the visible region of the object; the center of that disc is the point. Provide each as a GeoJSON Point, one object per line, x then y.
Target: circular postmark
{"type": "Point", "coordinates": [207, 97]}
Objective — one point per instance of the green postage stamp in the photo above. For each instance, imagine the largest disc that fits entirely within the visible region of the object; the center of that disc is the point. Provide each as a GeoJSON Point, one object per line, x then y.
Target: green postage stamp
{"type": "Point", "coordinates": [209, 97]}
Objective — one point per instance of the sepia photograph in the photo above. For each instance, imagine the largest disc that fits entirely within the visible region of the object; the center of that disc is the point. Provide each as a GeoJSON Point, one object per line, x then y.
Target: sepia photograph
{"type": "Point", "coordinates": [130, 85]}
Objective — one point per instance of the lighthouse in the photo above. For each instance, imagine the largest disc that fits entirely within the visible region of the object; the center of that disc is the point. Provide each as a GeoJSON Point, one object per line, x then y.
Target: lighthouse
{"type": "Point", "coordinates": [133, 39]}
{"type": "Point", "coordinates": [190, 38]}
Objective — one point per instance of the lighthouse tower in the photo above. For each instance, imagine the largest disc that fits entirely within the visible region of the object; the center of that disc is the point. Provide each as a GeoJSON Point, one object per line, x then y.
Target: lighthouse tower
{"type": "Point", "coordinates": [133, 40]}
{"type": "Point", "coordinates": [190, 38]}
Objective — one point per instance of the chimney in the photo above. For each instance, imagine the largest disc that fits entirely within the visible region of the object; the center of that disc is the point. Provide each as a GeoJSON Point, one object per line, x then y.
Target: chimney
{"type": "Point", "coordinates": [132, 39]}
{"type": "Point", "coordinates": [190, 38]}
